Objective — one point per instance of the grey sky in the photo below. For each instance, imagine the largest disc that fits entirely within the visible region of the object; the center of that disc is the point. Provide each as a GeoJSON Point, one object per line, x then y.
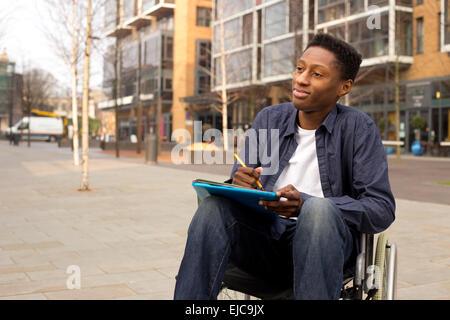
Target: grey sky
{"type": "Point", "coordinates": [26, 43]}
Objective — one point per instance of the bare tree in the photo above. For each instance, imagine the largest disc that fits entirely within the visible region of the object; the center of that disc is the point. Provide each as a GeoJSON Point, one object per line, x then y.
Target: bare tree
{"type": "Point", "coordinates": [37, 88]}
{"type": "Point", "coordinates": [85, 100]}
{"type": "Point", "coordinates": [67, 16]}
{"type": "Point", "coordinates": [229, 67]}
{"type": "Point", "coordinates": [223, 68]}
{"type": "Point", "coordinates": [74, 60]}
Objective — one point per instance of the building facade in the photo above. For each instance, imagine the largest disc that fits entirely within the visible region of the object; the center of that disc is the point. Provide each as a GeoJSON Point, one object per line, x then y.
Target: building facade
{"type": "Point", "coordinates": [10, 93]}
{"type": "Point", "coordinates": [262, 39]}
{"type": "Point", "coordinates": [154, 66]}
{"type": "Point", "coordinates": [420, 50]}
{"type": "Point", "coordinates": [190, 49]}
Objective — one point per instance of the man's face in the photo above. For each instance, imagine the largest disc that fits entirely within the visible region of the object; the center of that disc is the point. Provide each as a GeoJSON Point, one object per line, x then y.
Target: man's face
{"type": "Point", "coordinates": [317, 83]}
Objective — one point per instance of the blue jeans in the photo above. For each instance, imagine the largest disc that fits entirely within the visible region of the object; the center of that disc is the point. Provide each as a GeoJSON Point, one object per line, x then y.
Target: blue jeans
{"type": "Point", "coordinates": [308, 254]}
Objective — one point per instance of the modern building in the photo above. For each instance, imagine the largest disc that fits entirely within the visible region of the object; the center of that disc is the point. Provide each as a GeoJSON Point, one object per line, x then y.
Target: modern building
{"type": "Point", "coordinates": [418, 45]}
{"type": "Point", "coordinates": [262, 40]}
{"type": "Point", "coordinates": [155, 66]}
{"type": "Point", "coordinates": [10, 93]}
{"type": "Point", "coordinates": [259, 41]}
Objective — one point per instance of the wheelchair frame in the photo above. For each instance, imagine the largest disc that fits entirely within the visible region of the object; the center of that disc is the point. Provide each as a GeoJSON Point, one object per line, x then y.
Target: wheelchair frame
{"type": "Point", "coordinates": [372, 279]}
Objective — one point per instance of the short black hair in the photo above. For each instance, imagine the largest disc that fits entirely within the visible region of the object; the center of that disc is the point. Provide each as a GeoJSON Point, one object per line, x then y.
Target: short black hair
{"type": "Point", "coordinates": [348, 59]}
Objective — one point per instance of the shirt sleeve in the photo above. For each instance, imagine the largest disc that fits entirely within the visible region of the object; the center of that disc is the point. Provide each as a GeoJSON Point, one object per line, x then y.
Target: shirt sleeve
{"type": "Point", "coordinates": [244, 153]}
{"type": "Point", "coordinates": [372, 208]}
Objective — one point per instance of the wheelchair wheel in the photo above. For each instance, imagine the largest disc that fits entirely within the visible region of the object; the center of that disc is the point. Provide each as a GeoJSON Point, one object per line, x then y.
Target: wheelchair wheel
{"type": "Point", "coordinates": [386, 273]}
{"type": "Point", "coordinates": [228, 294]}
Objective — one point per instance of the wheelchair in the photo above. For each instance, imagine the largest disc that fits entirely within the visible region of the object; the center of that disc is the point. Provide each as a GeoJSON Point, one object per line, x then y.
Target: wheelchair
{"type": "Point", "coordinates": [374, 277]}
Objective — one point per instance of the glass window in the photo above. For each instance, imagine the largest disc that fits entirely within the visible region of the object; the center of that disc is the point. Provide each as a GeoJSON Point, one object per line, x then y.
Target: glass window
{"type": "Point", "coordinates": [203, 17]}
{"type": "Point", "coordinates": [278, 58]}
{"type": "Point", "coordinates": [203, 78]}
{"type": "Point", "coordinates": [275, 20]}
{"type": "Point", "coordinates": [445, 87]}
{"type": "Point", "coordinates": [370, 43]}
{"type": "Point", "coordinates": [238, 67]}
{"type": "Point", "coordinates": [149, 80]}
{"type": "Point", "coordinates": [110, 14]}
{"type": "Point", "coordinates": [169, 47]}
{"type": "Point", "coordinates": [147, 4]}
{"type": "Point", "coordinates": [6, 82]}
{"type": "Point", "coordinates": [404, 33]}
{"type": "Point", "coordinates": [447, 22]}
{"type": "Point", "coordinates": [406, 3]}
{"type": "Point", "coordinates": [128, 9]}
{"type": "Point", "coordinates": [356, 6]}
{"type": "Point", "coordinates": [338, 32]}
{"type": "Point", "coordinates": [329, 10]}
{"type": "Point", "coordinates": [167, 79]}
{"type": "Point", "coordinates": [295, 15]}
{"type": "Point", "coordinates": [380, 3]}
{"type": "Point", "coordinates": [151, 46]}
{"type": "Point", "coordinates": [130, 56]}
{"type": "Point", "coordinates": [419, 35]}
{"type": "Point", "coordinates": [108, 64]}
{"type": "Point", "coordinates": [203, 84]}
{"type": "Point", "coordinates": [204, 54]}
{"type": "Point", "coordinates": [165, 23]}
{"type": "Point", "coordinates": [247, 30]}
{"type": "Point", "coordinates": [232, 34]}
{"type": "Point", "coordinates": [231, 7]}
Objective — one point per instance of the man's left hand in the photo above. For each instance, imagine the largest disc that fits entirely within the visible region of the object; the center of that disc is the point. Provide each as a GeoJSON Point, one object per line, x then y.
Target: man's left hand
{"type": "Point", "coordinates": [287, 208]}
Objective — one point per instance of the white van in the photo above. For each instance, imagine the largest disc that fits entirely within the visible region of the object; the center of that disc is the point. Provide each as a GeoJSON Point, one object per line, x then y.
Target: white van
{"type": "Point", "coordinates": [41, 128]}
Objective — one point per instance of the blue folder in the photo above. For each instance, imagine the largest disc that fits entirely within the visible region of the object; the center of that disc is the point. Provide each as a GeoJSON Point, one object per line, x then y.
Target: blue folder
{"type": "Point", "coordinates": [246, 196]}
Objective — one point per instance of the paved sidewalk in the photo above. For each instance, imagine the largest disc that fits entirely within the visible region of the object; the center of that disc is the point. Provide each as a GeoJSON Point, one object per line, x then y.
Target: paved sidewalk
{"type": "Point", "coordinates": [127, 235]}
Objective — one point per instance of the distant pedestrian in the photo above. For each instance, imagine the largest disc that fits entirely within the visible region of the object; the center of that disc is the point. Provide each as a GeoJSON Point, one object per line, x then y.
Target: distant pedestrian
{"type": "Point", "coordinates": [16, 139]}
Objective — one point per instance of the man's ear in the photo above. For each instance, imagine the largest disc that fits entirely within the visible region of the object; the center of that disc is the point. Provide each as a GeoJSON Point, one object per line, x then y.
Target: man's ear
{"type": "Point", "coordinates": [346, 86]}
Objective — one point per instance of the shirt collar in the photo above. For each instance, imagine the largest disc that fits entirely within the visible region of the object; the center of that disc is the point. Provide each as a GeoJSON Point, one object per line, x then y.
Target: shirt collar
{"type": "Point", "coordinates": [330, 120]}
{"type": "Point", "coordinates": [292, 121]}
{"type": "Point", "coordinates": [328, 123]}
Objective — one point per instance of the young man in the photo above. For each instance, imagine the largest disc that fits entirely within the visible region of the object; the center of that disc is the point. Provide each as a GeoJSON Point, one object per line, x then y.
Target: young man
{"type": "Point", "coordinates": [332, 174]}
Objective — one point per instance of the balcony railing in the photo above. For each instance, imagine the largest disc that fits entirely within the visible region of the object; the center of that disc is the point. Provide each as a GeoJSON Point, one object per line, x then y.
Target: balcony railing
{"type": "Point", "coordinates": [158, 8]}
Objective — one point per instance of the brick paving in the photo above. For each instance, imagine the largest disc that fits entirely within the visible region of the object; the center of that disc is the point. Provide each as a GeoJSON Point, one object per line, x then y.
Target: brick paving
{"type": "Point", "coordinates": [127, 234]}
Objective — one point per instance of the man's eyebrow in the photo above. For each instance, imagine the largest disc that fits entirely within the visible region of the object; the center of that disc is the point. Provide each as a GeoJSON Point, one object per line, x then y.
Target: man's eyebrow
{"type": "Point", "coordinates": [313, 65]}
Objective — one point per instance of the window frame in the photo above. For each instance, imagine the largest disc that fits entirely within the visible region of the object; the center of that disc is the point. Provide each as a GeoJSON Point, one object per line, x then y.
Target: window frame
{"type": "Point", "coordinates": [419, 35]}
{"type": "Point", "coordinates": [203, 15]}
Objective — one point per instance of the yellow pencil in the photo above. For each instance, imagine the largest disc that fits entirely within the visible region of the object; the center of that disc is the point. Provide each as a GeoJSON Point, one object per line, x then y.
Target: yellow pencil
{"type": "Point", "coordinates": [243, 164]}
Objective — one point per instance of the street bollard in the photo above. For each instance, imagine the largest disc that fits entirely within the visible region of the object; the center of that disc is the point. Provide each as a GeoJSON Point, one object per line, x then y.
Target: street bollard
{"type": "Point", "coordinates": [151, 150]}
{"type": "Point", "coordinates": [16, 139]}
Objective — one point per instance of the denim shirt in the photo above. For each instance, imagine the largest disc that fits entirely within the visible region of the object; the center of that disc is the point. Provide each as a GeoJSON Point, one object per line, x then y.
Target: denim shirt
{"type": "Point", "coordinates": [352, 162]}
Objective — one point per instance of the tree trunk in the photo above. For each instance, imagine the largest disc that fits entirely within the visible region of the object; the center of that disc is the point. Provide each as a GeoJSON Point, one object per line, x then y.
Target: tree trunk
{"type": "Point", "coordinates": [29, 127]}
{"type": "Point", "coordinates": [85, 120]}
{"type": "Point", "coordinates": [138, 94]}
{"type": "Point", "coordinates": [116, 84]}
{"type": "Point", "coordinates": [75, 142]}
{"type": "Point", "coordinates": [224, 96]}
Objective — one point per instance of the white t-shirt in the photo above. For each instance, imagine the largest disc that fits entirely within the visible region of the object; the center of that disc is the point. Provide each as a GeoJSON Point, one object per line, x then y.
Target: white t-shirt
{"type": "Point", "coordinates": [302, 171]}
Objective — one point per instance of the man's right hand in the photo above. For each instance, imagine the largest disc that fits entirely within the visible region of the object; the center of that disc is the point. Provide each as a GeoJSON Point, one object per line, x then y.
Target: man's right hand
{"type": "Point", "coordinates": [247, 177]}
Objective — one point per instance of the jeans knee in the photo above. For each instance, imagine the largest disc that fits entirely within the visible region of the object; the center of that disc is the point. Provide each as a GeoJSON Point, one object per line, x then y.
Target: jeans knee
{"type": "Point", "coordinates": [210, 214]}
{"type": "Point", "coordinates": [319, 214]}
